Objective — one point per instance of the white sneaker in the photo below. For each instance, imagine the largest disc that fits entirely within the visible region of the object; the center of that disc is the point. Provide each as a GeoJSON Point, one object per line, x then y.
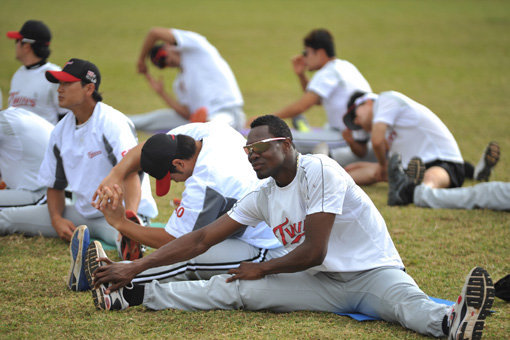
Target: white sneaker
{"type": "Point", "coordinates": [467, 316]}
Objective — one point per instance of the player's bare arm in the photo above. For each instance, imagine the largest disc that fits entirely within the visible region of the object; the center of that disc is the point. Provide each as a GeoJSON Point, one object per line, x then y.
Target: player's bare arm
{"type": "Point", "coordinates": [155, 34]}
{"type": "Point", "coordinates": [110, 205]}
{"type": "Point", "coordinates": [359, 149]}
{"type": "Point", "coordinates": [158, 87]}
{"type": "Point", "coordinates": [308, 100]}
{"type": "Point", "coordinates": [299, 67]}
{"type": "Point", "coordinates": [308, 254]}
{"type": "Point", "coordinates": [181, 249]}
{"type": "Point", "coordinates": [56, 205]}
{"type": "Point", "coordinates": [379, 145]}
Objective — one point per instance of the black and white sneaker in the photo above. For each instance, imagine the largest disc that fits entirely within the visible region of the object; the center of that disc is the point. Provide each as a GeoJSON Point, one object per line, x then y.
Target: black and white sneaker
{"type": "Point", "coordinates": [490, 158]}
{"type": "Point", "coordinates": [467, 316]}
{"type": "Point", "coordinates": [400, 186]}
{"type": "Point", "coordinates": [415, 170]}
{"type": "Point", "coordinates": [113, 300]}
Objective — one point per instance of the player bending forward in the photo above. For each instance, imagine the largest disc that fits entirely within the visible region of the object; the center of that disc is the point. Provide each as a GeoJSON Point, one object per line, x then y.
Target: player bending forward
{"type": "Point", "coordinates": [341, 257]}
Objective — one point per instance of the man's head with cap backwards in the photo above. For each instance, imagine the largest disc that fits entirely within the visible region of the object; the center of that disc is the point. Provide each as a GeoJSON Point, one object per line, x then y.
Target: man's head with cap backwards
{"type": "Point", "coordinates": [34, 34]}
{"type": "Point", "coordinates": [360, 111]}
{"type": "Point", "coordinates": [78, 70]}
{"type": "Point", "coordinates": [166, 157]}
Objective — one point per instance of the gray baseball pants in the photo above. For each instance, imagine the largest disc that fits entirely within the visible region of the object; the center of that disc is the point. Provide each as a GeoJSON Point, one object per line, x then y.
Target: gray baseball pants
{"type": "Point", "coordinates": [490, 195]}
{"type": "Point", "coordinates": [35, 220]}
{"type": "Point", "coordinates": [387, 292]}
{"type": "Point", "coordinates": [167, 119]}
{"type": "Point", "coordinates": [20, 198]}
{"type": "Point", "coordinates": [219, 259]}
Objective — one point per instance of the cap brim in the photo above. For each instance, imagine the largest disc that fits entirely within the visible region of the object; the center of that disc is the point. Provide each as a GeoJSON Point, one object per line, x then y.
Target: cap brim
{"type": "Point", "coordinates": [58, 76]}
{"type": "Point", "coordinates": [14, 35]}
{"type": "Point", "coordinates": [163, 185]}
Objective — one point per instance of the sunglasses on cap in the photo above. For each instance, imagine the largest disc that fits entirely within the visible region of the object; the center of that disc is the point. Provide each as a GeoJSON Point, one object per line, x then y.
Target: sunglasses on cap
{"type": "Point", "coordinates": [261, 146]}
{"type": "Point", "coordinates": [25, 40]}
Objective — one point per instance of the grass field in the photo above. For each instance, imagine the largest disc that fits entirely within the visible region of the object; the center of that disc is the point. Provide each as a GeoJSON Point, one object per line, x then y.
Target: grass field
{"type": "Point", "coordinates": [452, 56]}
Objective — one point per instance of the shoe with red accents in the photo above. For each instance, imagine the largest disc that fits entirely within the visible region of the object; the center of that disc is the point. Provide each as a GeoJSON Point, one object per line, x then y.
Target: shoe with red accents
{"type": "Point", "coordinates": [467, 316]}
{"type": "Point", "coordinates": [131, 250]}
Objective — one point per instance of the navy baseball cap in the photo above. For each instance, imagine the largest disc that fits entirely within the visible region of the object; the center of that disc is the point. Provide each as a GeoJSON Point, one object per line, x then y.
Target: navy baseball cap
{"type": "Point", "coordinates": [76, 70]}
{"type": "Point", "coordinates": [158, 55]}
{"type": "Point", "coordinates": [356, 99]}
{"type": "Point", "coordinates": [32, 31]}
{"type": "Point", "coordinates": [158, 152]}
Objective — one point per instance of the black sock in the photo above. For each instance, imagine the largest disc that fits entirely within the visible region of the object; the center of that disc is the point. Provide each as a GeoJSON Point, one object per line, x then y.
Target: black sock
{"type": "Point", "coordinates": [469, 170]}
{"type": "Point", "coordinates": [446, 331]}
{"type": "Point", "coordinates": [134, 295]}
{"type": "Point", "coordinates": [407, 192]}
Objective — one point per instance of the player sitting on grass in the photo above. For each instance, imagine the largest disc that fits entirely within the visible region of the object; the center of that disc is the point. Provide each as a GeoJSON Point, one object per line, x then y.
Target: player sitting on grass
{"type": "Point", "coordinates": [341, 257]}
{"type": "Point", "coordinates": [83, 148]}
{"type": "Point", "coordinates": [205, 87]}
{"type": "Point", "coordinates": [405, 129]}
{"type": "Point", "coordinates": [209, 159]}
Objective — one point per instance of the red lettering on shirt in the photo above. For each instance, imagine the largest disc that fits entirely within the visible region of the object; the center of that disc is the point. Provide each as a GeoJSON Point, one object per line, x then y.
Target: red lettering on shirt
{"type": "Point", "coordinates": [293, 233]}
{"type": "Point", "coordinates": [93, 154]}
{"type": "Point", "coordinates": [180, 211]}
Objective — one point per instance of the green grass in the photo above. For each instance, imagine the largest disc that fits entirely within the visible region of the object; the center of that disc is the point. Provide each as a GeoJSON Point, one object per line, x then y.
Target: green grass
{"type": "Point", "coordinates": [451, 56]}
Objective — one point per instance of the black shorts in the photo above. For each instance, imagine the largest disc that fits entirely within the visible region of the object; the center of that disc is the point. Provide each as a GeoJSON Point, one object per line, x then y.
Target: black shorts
{"type": "Point", "coordinates": [454, 170]}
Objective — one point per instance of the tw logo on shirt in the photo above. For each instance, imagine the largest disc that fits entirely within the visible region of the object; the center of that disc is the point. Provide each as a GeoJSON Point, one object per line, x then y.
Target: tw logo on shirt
{"type": "Point", "coordinates": [93, 154]}
{"type": "Point", "coordinates": [289, 233]}
{"type": "Point", "coordinates": [15, 100]}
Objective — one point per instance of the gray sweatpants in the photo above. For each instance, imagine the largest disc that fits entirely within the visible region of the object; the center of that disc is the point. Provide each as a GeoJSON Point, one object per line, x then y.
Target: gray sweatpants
{"type": "Point", "coordinates": [20, 198]}
{"type": "Point", "coordinates": [388, 293]}
{"type": "Point", "coordinates": [35, 220]}
{"type": "Point", "coordinates": [490, 195]}
{"type": "Point", "coordinates": [167, 119]}
{"type": "Point", "coordinates": [339, 150]}
{"type": "Point", "coordinates": [219, 259]}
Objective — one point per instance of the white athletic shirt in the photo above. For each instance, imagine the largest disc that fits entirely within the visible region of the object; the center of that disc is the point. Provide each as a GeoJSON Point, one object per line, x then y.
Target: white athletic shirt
{"type": "Point", "coordinates": [335, 82]}
{"type": "Point", "coordinates": [24, 138]}
{"type": "Point", "coordinates": [359, 239]}
{"type": "Point", "coordinates": [32, 91]}
{"type": "Point", "coordinates": [205, 79]}
{"type": "Point", "coordinates": [222, 175]}
{"type": "Point", "coordinates": [414, 130]}
{"type": "Point", "coordinates": [80, 157]}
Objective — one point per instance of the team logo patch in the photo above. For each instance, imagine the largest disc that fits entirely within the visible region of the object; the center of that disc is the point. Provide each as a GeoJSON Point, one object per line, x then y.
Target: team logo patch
{"type": "Point", "coordinates": [91, 76]}
{"type": "Point", "coordinates": [93, 154]}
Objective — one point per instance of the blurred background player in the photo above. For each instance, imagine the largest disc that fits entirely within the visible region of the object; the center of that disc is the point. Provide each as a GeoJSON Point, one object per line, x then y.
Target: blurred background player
{"type": "Point", "coordinates": [334, 81]}
{"type": "Point", "coordinates": [24, 138]}
{"type": "Point", "coordinates": [29, 88]}
{"type": "Point", "coordinates": [205, 87]}
{"type": "Point", "coordinates": [403, 129]}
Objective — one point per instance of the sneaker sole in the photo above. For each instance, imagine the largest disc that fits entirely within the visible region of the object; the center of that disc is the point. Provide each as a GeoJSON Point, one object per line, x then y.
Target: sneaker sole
{"type": "Point", "coordinates": [76, 251]}
{"type": "Point", "coordinates": [479, 298]}
{"type": "Point", "coordinates": [94, 251]}
{"type": "Point", "coordinates": [415, 170]}
{"type": "Point", "coordinates": [131, 250]}
{"type": "Point", "coordinates": [491, 158]}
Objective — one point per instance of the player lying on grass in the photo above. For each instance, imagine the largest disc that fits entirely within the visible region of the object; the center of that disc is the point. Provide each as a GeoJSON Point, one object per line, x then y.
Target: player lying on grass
{"type": "Point", "coordinates": [205, 87]}
{"type": "Point", "coordinates": [209, 159]}
{"type": "Point", "coordinates": [341, 257]}
{"type": "Point", "coordinates": [403, 128]}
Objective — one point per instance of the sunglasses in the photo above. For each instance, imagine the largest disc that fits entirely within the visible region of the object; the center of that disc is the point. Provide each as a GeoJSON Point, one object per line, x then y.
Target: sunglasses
{"type": "Point", "coordinates": [261, 146]}
{"type": "Point", "coordinates": [25, 40]}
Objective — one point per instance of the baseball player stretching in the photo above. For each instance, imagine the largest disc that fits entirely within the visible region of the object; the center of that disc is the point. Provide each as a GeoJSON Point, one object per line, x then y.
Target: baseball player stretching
{"type": "Point", "coordinates": [205, 81]}
{"type": "Point", "coordinates": [24, 137]}
{"type": "Point", "coordinates": [83, 148]}
{"type": "Point", "coordinates": [29, 88]}
{"type": "Point", "coordinates": [407, 129]}
{"type": "Point", "coordinates": [341, 257]}
{"type": "Point", "coordinates": [331, 86]}
{"type": "Point", "coordinates": [209, 159]}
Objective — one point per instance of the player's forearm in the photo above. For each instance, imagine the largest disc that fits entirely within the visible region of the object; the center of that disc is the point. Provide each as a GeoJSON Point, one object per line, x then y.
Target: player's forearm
{"type": "Point", "coordinates": [182, 110]}
{"type": "Point", "coordinates": [152, 237]}
{"type": "Point", "coordinates": [359, 149]}
{"type": "Point", "coordinates": [56, 203]}
{"type": "Point", "coordinates": [133, 191]}
{"type": "Point", "coordinates": [300, 259]}
{"type": "Point", "coordinates": [379, 148]}
{"type": "Point", "coordinates": [303, 80]}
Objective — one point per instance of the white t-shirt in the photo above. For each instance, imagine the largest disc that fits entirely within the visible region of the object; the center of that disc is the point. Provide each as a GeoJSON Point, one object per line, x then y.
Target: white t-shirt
{"type": "Point", "coordinates": [80, 157]}
{"type": "Point", "coordinates": [32, 91]}
{"type": "Point", "coordinates": [24, 138]}
{"type": "Point", "coordinates": [335, 82]}
{"type": "Point", "coordinates": [359, 239]}
{"type": "Point", "coordinates": [414, 130]}
{"type": "Point", "coordinates": [205, 79]}
{"type": "Point", "coordinates": [222, 175]}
